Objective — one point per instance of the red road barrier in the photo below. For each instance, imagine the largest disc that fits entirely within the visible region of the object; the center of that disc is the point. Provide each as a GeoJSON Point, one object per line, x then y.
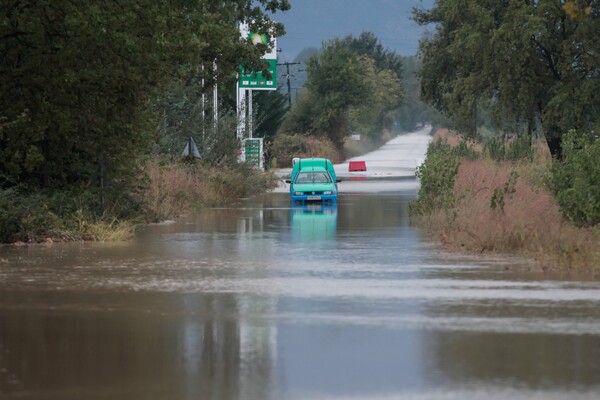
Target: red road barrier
{"type": "Point", "coordinates": [357, 166]}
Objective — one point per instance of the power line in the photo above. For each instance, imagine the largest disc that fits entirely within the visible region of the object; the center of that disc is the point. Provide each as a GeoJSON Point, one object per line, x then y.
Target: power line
{"type": "Point", "coordinates": [288, 76]}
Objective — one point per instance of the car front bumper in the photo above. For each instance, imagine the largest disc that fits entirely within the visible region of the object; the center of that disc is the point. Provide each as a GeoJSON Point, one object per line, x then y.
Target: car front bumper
{"type": "Point", "coordinates": [324, 198]}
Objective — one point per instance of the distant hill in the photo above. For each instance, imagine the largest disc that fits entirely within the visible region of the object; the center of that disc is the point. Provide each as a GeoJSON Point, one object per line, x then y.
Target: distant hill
{"type": "Point", "coordinates": [305, 53]}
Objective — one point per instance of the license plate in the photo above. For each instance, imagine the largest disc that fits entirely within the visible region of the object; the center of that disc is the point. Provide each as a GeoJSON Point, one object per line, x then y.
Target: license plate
{"type": "Point", "coordinates": [313, 197]}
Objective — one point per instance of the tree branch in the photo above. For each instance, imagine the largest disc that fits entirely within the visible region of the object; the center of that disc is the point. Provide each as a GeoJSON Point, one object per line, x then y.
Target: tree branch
{"type": "Point", "coordinates": [548, 56]}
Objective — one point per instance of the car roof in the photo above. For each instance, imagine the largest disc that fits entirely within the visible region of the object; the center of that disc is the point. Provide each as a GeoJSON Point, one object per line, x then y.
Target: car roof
{"type": "Point", "coordinates": [313, 162]}
{"type": "Point", "coordinates": [313, 169]}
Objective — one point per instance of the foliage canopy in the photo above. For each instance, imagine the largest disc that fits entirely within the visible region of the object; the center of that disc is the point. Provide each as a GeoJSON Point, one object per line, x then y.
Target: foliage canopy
{"type": "Point", "coordinates": [76, 77]}
{"type": "Point", "coordinates": [532, 63]}
{"type": "Point", "coordinates": [351, 85]}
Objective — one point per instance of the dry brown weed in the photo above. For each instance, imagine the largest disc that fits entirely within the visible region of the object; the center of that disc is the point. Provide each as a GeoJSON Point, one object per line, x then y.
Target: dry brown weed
{"type": "Point", "coordinates": [527, 221]}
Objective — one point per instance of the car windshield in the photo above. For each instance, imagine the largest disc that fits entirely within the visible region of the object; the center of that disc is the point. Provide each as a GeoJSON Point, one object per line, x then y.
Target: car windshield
{"type": "Point", "coordinates": [313, 177]}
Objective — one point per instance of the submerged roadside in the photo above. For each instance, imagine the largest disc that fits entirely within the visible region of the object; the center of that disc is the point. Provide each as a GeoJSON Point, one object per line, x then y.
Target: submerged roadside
{"type": "Point", "coordinates": [152, 189]}
{"type": "Point", "coordinates": [473, 199]}
{"type": "Point", "coordinates": [162, 189]}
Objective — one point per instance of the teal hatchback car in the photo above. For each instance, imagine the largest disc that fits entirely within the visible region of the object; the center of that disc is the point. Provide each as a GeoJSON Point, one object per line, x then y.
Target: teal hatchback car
{"type": "Point", "coordinates": [313, 180]}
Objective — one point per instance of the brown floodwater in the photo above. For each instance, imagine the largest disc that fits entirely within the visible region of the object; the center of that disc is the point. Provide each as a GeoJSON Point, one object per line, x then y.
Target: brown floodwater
{"type": "Point", "coordinates": [264, 301]}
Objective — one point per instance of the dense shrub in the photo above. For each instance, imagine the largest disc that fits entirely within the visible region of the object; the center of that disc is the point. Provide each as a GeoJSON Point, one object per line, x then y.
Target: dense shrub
{"type": "Point", "coordinates": [436, 177]}
{"type": "Point", "coordinates": [172, 187]}
{"type": "Point", "coordinates": [25, 216]}
{"type": "Point", "coordinates": [576, 178]}
{"type": "Point", "coordinates": [517, 149]}
{"type": "Point", "coordinates": [286, 147]}
{"type": "Point", "coordinates": [34, 216]}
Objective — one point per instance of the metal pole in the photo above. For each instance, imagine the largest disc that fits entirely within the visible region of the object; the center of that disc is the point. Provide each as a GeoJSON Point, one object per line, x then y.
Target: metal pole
{"type": "Point", "coordinates": [203, 99]}
{"type": "Point", "coordinates": [215, 98]}
{"type": "Point", "coordinates": [241, 113]}
{"type": "Point", "coordinates": [288, 79]}
{"type": "Point", "coordinates": [250, 113]}
{"type": "Point", "coordinates": [237, 107]}
{"type": "Point", "coordinates": [287, 67]}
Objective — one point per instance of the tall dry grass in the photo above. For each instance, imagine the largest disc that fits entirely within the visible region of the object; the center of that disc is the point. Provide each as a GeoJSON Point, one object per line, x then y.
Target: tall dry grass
{"type": "Point", "coordinates": [172, 190]}
{"type": "Point", "coordinates": [175, 188]}
{"type": "Point", "coordinates": [506, 207]}
{"type": "Point", "coordinates": [286, 147]}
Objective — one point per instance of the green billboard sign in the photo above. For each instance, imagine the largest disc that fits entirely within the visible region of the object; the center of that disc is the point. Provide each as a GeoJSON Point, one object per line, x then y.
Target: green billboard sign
{"type": "Point", "coordinates": [257, 80]}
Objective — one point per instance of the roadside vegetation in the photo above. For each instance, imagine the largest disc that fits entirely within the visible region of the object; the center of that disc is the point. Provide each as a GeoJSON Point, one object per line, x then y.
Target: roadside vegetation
{"type": "Point", "coordinates": [353, 87]}
{"type": "Point", "coordinates": [98, 102]}
{"type": "Point", "coordinates": [95, 112]}
{"type": "Point", "coordinates": [512, 198]}
{"type": "Point", "coordinates": [177, 187]}
{"type": "Point", "coordinates": [519, 80]}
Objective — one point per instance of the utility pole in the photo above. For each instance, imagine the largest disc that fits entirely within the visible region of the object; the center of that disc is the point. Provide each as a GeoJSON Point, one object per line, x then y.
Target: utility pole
{"type": "Point", "coordinates": [288, 76]}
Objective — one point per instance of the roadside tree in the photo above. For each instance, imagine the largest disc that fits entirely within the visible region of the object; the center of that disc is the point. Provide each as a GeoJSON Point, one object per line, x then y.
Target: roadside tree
{"type": "Point", "coordinates": [531, 63]}
{"type": "Point", "coordinates": [76, 79]}
{"type": "Point", "coordinates": [346, 92]}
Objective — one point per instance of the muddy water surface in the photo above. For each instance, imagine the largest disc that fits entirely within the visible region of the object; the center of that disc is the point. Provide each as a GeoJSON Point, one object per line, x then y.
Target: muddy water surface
{"type": "Point", "coordinates": [264, 301]}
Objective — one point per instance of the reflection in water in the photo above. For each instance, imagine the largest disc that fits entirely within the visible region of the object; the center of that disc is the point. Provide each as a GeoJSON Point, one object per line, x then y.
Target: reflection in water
{"type": "Point", "coordinates": [157, 349]}
{"type": "Point", "coordinates": [313, 222]}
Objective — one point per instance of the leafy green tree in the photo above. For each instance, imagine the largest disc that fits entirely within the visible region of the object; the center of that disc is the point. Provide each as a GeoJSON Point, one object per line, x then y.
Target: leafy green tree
{"type": "Point", "coordinates": [345, 91]}
{"type": "Point", "coordinates": [369, 118]}
{"type": "Point", "coordinates": [76, 78]}
{"type": "Point", "coordinates": [336, 82]}
{"type": "Point", "coordinates": [387, 94]}
{"type": "Point", "coordinates": [531, 62]}
{"type": "Point", "coordinates": [367, 44]}
{"type": "Point", "coordinates": [272, 107]}
{"type": "Point", "coordinates": [413, 109]}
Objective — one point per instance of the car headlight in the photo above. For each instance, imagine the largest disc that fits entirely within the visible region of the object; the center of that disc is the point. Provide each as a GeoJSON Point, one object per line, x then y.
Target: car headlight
{"type": "Point", "coordinates": [298, 193]}
{"type": "Point", "coordinates": [328, 192]}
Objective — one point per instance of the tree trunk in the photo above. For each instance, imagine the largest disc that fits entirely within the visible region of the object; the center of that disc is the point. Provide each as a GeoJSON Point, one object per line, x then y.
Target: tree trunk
{"type": "Point", "coordinates": [555, 146]}
{"type": "Point", "coordinates": [474, 122]}
{"type": "Point", "coordinates": [553, 137]}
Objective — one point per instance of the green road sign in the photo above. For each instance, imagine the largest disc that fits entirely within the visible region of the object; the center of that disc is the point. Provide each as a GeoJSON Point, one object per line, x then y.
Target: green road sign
{"type": "Point", "coordinates": [253, 149]}
{"type": "Point", "coordinates": [257, 81]}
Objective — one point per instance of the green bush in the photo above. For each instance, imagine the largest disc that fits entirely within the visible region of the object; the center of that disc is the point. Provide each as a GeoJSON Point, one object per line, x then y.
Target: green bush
{"type": "Point", "coordinates": [464, 150]}
{"type": "Point", "coordinates": [437, 175]}
{"type": "Point", "coordinates": [576, 178]}
{"type": "Point", "coordinates": [26, 216]}
{"type": "Point", "coordinates": [515, 150]}
{"type": "Point", "coordinates": [32, 216]}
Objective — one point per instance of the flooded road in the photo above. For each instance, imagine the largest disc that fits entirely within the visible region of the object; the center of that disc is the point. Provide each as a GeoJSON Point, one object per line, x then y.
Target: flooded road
{"type": "Point", "coordinates": [268, 302]}
{"type": "Point", "coordinates": [265, 301]}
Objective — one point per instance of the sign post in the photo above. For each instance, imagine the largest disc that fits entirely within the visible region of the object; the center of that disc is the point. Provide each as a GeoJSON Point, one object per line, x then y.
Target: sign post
{"type": "Point", "coordinates": [249, 81]}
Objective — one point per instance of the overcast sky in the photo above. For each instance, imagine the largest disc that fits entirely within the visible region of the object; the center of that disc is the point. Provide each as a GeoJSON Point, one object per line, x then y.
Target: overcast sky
{"type": "Point", "coordinates": [310, 22]}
